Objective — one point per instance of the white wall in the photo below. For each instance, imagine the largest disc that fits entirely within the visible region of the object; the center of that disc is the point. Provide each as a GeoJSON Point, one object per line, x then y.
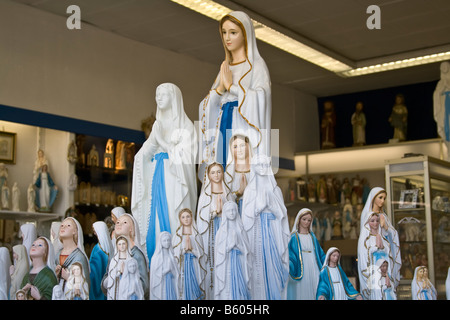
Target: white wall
{"type": "Point", "coordinates": [98, 76]}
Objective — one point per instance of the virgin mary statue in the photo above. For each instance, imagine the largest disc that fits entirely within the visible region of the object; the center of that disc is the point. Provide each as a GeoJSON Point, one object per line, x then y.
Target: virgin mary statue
{"type": "Point", "coordinates": [164, 178]}
{"type": "Point", "coordinates": [240, 97]}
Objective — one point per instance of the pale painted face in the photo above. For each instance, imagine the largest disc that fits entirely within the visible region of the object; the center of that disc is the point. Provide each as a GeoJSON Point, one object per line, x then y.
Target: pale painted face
{"type": "Point", "coordinates": [384, 267]}
{"type": "Point", "coordinates": [374, 222]}
{"type": "Point", "coordinates": [232, 36]}
{"type": "Point", "coordinates": [378, 201]}
{"type": "Point", "coordinates": [68, 229]}
{"type": "Point", "coordinates": [38, 248]}
{"type": "Point", "coordinates": [240, 150]}
{"type": "Point", "coordinates": [262, 167]}
{"type": "Point", "coordinates": [232, 214]}
{"type": "Point", "coordinates": [122, 245]}
{"type": "Point", "coordinates": [334, 257]}
{"type": "Point", "coordinates": [422, 274]}
{"type": "Point", "coordinates": [163, 98]}
{"type": "Point", "coordinates": [124, 226]}
{"type": "Point", "coordinates": [76, 270]}
{"type": "Point", "coordinates": [216, 174]}
{"type": "Point", "coordinates": [305, 221]}
{"type": "Point", "coordinates": [165, 242]}
{"type": "Point", "coordinates": [186, 218]}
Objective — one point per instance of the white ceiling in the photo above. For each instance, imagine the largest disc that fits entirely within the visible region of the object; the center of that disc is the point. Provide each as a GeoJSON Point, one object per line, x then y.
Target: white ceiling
{"type": "Point", "coordinates": [337, 26]}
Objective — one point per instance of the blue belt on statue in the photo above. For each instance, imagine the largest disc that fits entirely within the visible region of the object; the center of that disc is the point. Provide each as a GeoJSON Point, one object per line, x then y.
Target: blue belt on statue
{"type": "Point", "coordinates": [226, 123]}
{"type": "Point", "coordinates": [158, 204]}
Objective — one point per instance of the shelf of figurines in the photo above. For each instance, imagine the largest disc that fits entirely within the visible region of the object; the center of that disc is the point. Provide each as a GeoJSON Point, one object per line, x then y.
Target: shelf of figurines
{"type": "Point", "coordinates": [25, 215]}
{"type": "Point", "coordinates": [101, 174]}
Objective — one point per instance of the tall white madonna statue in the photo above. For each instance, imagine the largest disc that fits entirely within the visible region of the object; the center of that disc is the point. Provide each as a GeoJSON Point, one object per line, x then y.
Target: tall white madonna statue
{"type": "Point", "coordinates": [441, 106]}
{"type": "Point", "coordinates": [240, 97]}
{"type": "Point", "coordinates": [164, 179]}
{"type": "Point", "coordinates": [265, 220]}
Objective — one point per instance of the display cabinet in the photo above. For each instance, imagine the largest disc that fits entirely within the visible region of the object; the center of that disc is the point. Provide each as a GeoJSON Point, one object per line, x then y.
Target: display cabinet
{"type": "Point", "coordinates": [418, 190]}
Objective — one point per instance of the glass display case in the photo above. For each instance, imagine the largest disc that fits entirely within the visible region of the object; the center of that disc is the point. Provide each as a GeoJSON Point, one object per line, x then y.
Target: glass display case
{"type": "Point", "coordinates": [418, 190]}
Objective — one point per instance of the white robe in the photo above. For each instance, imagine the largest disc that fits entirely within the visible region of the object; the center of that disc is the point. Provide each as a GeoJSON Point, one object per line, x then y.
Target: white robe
{"type": "Point", "coordinates": [252, 89]}
{"type": "Point", "coordinates": [422, 290]}
{"type": "Point", "coordinates": [231, 236]}
{"type": "Point", "coordinates": [179, 169]}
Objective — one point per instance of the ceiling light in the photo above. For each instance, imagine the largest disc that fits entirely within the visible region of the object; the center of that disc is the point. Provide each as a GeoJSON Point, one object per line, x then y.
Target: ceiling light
{"type": "Point", "coordinates": [393, 65]}
{"type": "Point", "coordinates": [264, 33]}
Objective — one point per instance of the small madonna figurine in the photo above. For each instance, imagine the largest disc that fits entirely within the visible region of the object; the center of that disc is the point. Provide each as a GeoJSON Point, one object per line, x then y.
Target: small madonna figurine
{"type": "Point", "coordinates": [214, 194]}
{"type": "Point", "coordinates": [5, 278]}
{"type": "Point", "coordinates": [306, 258]}
{"type": "Point", "coordinates": [188, 249]}
{"type": "Point", "coordinates": [46, 190]}
{"type": "Point", "coordinates": [265, 221]}
{"type": "Point", "coordinates": [333, 282]}
{"type": "Point", "coordinates": [237, 170]}
{"type": "Point", "coordinates": [232, 257]}
{"type": "Point", "coordinates": [19, 269]}
{"type": "Point", "coordinates": [76, 287]}
{"type": "Point", "coordinates": [117, 269]}
{"type": "Point", "coordinates": [164, 272]}
{"type": "Point", "coordinates": [421, 286]}
{"type": "Point", "coordinates": [39, 282]}
{"type": "Point", "coordinates": [381, 282]}
{"type": "Point", "coordinates": [71, 236]}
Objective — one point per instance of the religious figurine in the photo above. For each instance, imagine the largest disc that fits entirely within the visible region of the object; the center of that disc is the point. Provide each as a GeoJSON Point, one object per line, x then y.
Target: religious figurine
{"type": "Point", "coordinates": [93, 159]}
{"type": "Point", "coordinates": [40, 161]}
{"type": "Point", "coordinates": [72, 153]}
{"type": "Point", "coordinates": [358, 122]}
{"type": "Point", "coordinates": [20, 295]}
{"type": "Point", "coordinates": [3, 173]}
{"type": "Point", "coordinates": [5, 278]}
{"type": "Point", "coordinates": [346, 191]}
{"type": "Point", "coordinates": [306, 258]}
{"type": "Point", "coordinates": [39, 281]}
{"type": "Point", "coordinates": [357, 191]}
{"type": "Point", "coordinates": [380, 282]}
{"type": "Point", "coordinates": [122, 283]}
{"type": "Point", "coordinates": [213, 195]}
{"type": "Point", "coordinates": [265, 220]}
{"type": "Point", "coordinates": [108, 158]}
{"type": "Point", "coordinates": [327, 126]}
{"type": "Point", "coordinates": [399, 118]}
{"type": "Point", "coordinates": [5, 196]}
{"type": "Point", "coordinates": [447, 284]}
{"type": "Point", "coordinates": [232, 257]}
{"type": "Point", "coordinates": [421, 286]}
{"type": "Point", "coordinates": [54, 236]}
{"type": "Point", "coordinates": [372, 246]}
{"type": "Point", "coordinates": [76, 287]}
{"type": "Point", "coordinates": [121, 155]}
{"type": "Point", "coordinates": [311, 190]}
{"type": "Point", "coordinates": [331, 190]}
{"type": "Point", "coordinates": [71, 237]}
{"type": "Point", "coordinates": [240, 98]}
{"type": "Point", "coordinates": [46, 190]}
{"type": "Point", "coordinates": [28, 234]}
{"type": "Point", "coordinates": [302, 189]}
{"type": "Point", "coordinates": [164, 174]}
{"type": "Point", "coordinates": [337, 226]}
{"type": "Point", "coordinates": [98, 259]}
{"type": "Point", "coordinates": [375, 203]}
{"type": "Point", "coordinates": [349, 221]}
{"type": "Point", "coordinates": [322, 190]}
{"type": "Point", "coordinates": [18, 269]}
{"type": "Point", "coordinates": [333, 282]}
{"type": "Point", "coordinates": [127, 226]}
{"type": "Point", "coordinates": [190, 256]}
{"type": "Point", "coordinates": [237, 170]}
{"type": "Point", "coordinates": [326, 227]}
{"type": "Point", "coordinates": [116, 213]}
{"type": "Point", "coordinates": [441, 107]}
{"type": "Point", "coordinates": [164, 271]}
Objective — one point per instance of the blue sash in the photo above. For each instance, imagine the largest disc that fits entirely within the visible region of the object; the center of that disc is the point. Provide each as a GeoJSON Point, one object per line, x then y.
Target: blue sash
{"type": "Point", "coordinates": [192, 290]}
{"type": "Point", "coordinates": [158, 204]}
{"type": "Point", "coordinates": [226, 123]}
{"type": "Point", "coordinates": [170, 288]}
{"type": "Point", "coordinates": [239, 289]}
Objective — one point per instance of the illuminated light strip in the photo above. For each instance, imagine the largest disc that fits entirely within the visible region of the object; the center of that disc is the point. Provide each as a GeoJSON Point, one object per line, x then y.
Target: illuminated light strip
{"type": "Point", "coordinates": [393, 65]}
{"type": "Point", "coordinates": [264, 33]}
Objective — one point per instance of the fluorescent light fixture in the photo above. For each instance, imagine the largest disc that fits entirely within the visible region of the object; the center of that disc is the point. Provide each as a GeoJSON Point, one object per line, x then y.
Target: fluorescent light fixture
{"type": "Point", "coordinates": [264, 33]}
{"type": "Point", "coordinates": [393, 65]}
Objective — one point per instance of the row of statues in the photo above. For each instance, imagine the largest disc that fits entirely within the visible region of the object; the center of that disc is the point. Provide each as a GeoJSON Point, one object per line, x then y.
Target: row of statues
{"type": "Point", "coordinates": [398, 119]}
{"type": "Point", "coordinates": [118, 268]}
